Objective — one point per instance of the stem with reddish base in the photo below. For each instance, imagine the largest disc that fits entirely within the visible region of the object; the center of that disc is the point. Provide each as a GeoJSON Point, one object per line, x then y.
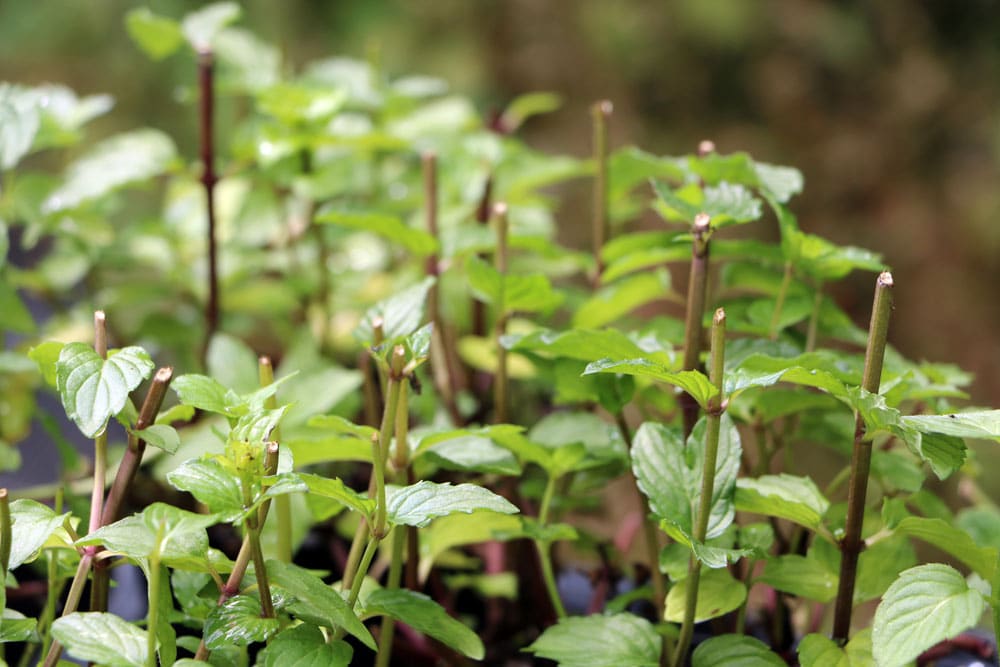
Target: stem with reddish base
{"type": "Point", "coordinates": [850, 546]}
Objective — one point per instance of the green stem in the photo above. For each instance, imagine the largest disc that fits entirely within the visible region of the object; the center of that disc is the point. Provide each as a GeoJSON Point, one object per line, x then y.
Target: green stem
{"type": "Point", "coordinates": [697, 287]}
{"type": "Point", "coordinates": [366, 561]}
{"type": "Point", "coordinates": [779, 302]}
{"type": "Point", "coordinates": [6, 534]}
{"type": "Point", "coordinates": [716, 406]}
{"type": "Point", "coordinates": [811, 332]}
{"type": "Point", "coordinates": [601, 113]}
{"type": "Point", "coordinates": [153, 613]}
{"type": "Point", "coordinates": [395, 576]}
{"type": "Point", "coordinates": [101, 582]}
{"type": "Point", "coordinates": [850, 547]}
{"type": "Point", "coordinates": [259, 569]}
{"type": "Point", "coordinates": [282, 503]}
{"type": "Point", "coordinates": [545, 549]}
{"type": "Point", "coordinates": [500, 326]}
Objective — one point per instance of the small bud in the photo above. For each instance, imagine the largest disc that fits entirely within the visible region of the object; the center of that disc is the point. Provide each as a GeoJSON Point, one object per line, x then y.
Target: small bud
{"type": "Point", "coordinates": [702, 222]}
{"type": "Point", "coordinates": [706, 147]}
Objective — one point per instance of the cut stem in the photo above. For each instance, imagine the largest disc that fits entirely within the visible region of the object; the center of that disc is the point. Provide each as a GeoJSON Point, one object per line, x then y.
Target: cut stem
{"type": "Point", "coordinates": [282, 503]}
{"type": "Point", "coordinates": [601, 113]}
{"type": "Point", "coordinates": [697, 287]}
{"type": "Point", "coordinates": [850, 547]}
{"type": "Point", "coordinates": [716, 406]}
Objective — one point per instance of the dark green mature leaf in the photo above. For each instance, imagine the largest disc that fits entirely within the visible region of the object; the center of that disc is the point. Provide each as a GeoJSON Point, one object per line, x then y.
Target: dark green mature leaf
{"type": "Point", "coordinates": [19, 122]}
{"type": "Point", "coordinates": [305, 646]}
{"type": "Point", "coordinates": [927, 604]}
{"type": "Point", "coordinates": [693, 382]}
{"type": "Point", "coordinates": [101, 638]}
{"type": "Point", "coordinates": [401, 314]}
{"type": "Point", "coordinates": [786, 496]}
{"type": "Point", "coordinates": [944, 453]}
{"type": "Point", "coordinates": [390, 227]}
{"type": "Point", "coordinates": [670, 473]}
{"type": "Point", "coordinates": [125, 158]}
{"type": "Point", "coordinates": [985, 424]}
{"type": "Point", "coordinates": [238, 622]}
{"type": "Point", "coordinates": [315, 602]}
{"type": "Point", "coordinates": [184, 542]}
{"type": "Point", "coordinates": [948, 538]}
{"type": "Point", "coordinates": [614, 301]}
{"type": "Point", "coordinates": [31, 525]}
{"type": "Point", "coordinates": [880, 564]}
{"type": "Point", "coordinates": [212, 484]}
{"type": "Point", "coordinates": [93, 389]}
{"type": "Point", "coordinates": [801, 576]}
{"type": "Point", "coordinates": [741, 650]}
{"type": "Point", "coordinates": [427, 616]}
{"type": "Point", "coordinates": [600, 641]}
{"type": "Point", "coordinates": [421, 503]}
{"type": "Point", "coordinates": [157, 35]}
{"type": "Point", "coordinates": [200, 27]}
{"type": "Point", "coordinates": [718, 594]}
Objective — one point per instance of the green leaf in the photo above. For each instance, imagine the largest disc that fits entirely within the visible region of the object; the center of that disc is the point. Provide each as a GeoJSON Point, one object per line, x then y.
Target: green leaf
{"type": "Point", "coordinates": [401, 314]}
{"type": "Point", "coordinates": [817, 650]}
{"type": "Point", "coordinates": [612, 302]}
{"type": "Point", "coordinates": [426, 616]}
{"type": "Point", "coordinates": [602, 443]}
{"type": "Point", "coordinates": [101, 638]}
{"type": "Point", "coordinates": [670, 473]}
{"type": "Point", "coordinates": [19, 122]}
{"type": "Point", "coordinates": [693, 382]}
{"type": "Point", "coordinates": [741, 650]}
{"type": "Point", "coordinates": [524, 106]}
{"type": "Point", "coordinates": [31, 525]}
{"type": "Point", "coordinates": [457, 530]}
{"type": "Point", "coordinates": [205, 393]}
{"type": "Point", "coordinates": [880, 564]}
{"type": "Point", "coordinates": [421, 503]}
{"type": "Point", "coordinates": [600, 641]}
{"type": "Point", "coordinates": [200, 27]}
{"type": "Point", "coordinates": [17, 317]}
{"type": "Point", "coordinates": [16, 627]}
{"type": "Point", "coordinates": [238, 622]}
{"type": "Point", "coordinates": [94, 389]}
{"type": "Point", "coordinates": [778, 183]}
{"type": "Point", "coordinates": [469, 452]}
{"type": "Point", "coordinates": [125, 158]}
{"type": "Point", "coordinates": [232, 363]}
{"type": "Point", "coordinates": [325, 487]}
{"type": "Point", "coordinates": [512, 292]}
{"type": "Point", "coordinates": [390, 227]}
{"type": "Point", "coordinates": [305, 646]}
{"type": "Point", "coordinates": [725, 203]}
{"type": "Point", "coordinates": [718, 594]}
{"type": "Point", "coordinates": [315, 602]}
{"type": "Point", "coordinates": [212, 484]}
{"type": "Point", "coordinates": [157, 35]}
{"type": "Point", "coordinates": [984, 425]}
{"type": "Point", "coordinates": [161, 436]}
{"type": "Point", "coordinates": [183, 540]}
{"type": "Point", "coordinates": [926, 605]}
{"type": "Point", "coordinates": [785, 496]}
{"type": "Point", "coordinates": [958, 543]}
{"type": "Point", "coordinates": [580, 344]}
{"type": "Point", "coordinates": [46, 355]}
{"type": "Point", "coordinates": [801, 576]}
{"type": "Point", "coordinates": [710, 555]}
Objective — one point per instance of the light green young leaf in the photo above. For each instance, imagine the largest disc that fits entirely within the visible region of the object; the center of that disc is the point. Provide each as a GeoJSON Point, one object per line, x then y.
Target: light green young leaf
{"type": "Point", "coordinates": [602, 443]}
{"type": "Point", "coordinates": [184, 542]}
{"type": "Point", "coordinates": [232, 363]}
{"type": "Point", "coordinates": [725, 203]}
{"type": "Point", "coordinates": [785, 496]}
{"type": "Point", "coordinates": [46, 355]}
{"type": "Point", "coordinates": [157, 35]}
{"type": "Point", "coordinates": [102, 638]}
{"type": "Point", "coordinates": [17, 317]}
{"type": "Point", "coordinates": [718, 594]}
{"type": "Point", "coordinates": [778, 183]}
{"type": "Point", "coordinates": [211, 484]}
{"type": "Point", "coordinates": [305, 646]}
{"type": "Point", "coordinates": [326, 487]}
{"type": "Point", "coordinates": [612, 302]}
{"type": "Point", "coordinates": [710, 555]}
{"type": "Point", "coordinates": [741, 650]}
{"type": "Point", "coordinates": [205, 393]}
{"type": "Point", "coordinates": [927, 604]}
{"type": "Point", "coordinates": [818, 650]}
{"type": "Point", "coordinates": [984, 424]}
{"type": "Point", "coordinates": [670, 473]}
{"type": "Point", "coordinates": [523, 107]}
{"type": "Point", "coordinates": [600, 641]}
{"type": "Point", "coordinates": [19, 122]}
{"type": "Point", "coordinates": [390, 227]}
{"type": "Point", "coordinates": [201, 26]}
{"type": "Point", "coordinates": [93, 389]}
{"type": "Point", "coordinates": [426, 616]}
{"type": "Point", "coordinates": [161, 436]}
{"type": "Point", "coordinates": [125, 158]}
{"type": "Point", "coordinates": [801, 576]}
{"type": "Point", "coordinates": [31, 525]}
{"type": "Point", "coordinates": [470, 452]}
{"type": "Point", "coordinates": [401, 314]}
{"type": "Point", "coordinates": [315, 602]}
{"type": "Point", "coordinates": [238, 622]}
{"type": "Point", "coordinates": [457, 530]}
{"type": "Point", "coordinates": [943, 453]}
{"type": "Point", "coordinates": [421, 503]}
{"type": "Point", "coordinates": [16, 627]}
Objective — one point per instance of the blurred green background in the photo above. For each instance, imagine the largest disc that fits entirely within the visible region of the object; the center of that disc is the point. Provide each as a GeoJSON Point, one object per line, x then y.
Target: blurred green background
{"type": "Point", "coordinates": [888, 108]}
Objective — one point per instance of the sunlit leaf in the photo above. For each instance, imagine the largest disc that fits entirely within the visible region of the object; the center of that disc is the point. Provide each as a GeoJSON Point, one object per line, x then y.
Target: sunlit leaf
{"type": "Point", "coordinates": [600, 641]}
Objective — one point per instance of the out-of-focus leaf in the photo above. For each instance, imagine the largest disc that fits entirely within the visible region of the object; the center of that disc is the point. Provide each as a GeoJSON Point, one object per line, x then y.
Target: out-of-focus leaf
{"type": "Point", "coordinates": [614, 301]}
{"type": "Point", "coordinates": [426, 616]}
{"type": "Point", "coordinates": [201, 26]}
{"type": "Point", "coordinates": [157, 35]}
{"type": "Point", "coordinates": [600, 641]}
{"type": "Point", "coordinates": [390, 227]}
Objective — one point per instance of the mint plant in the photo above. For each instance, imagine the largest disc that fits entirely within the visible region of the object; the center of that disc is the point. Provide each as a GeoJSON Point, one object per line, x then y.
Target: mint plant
{"type": "Point", "coordinates": [388, 390]}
